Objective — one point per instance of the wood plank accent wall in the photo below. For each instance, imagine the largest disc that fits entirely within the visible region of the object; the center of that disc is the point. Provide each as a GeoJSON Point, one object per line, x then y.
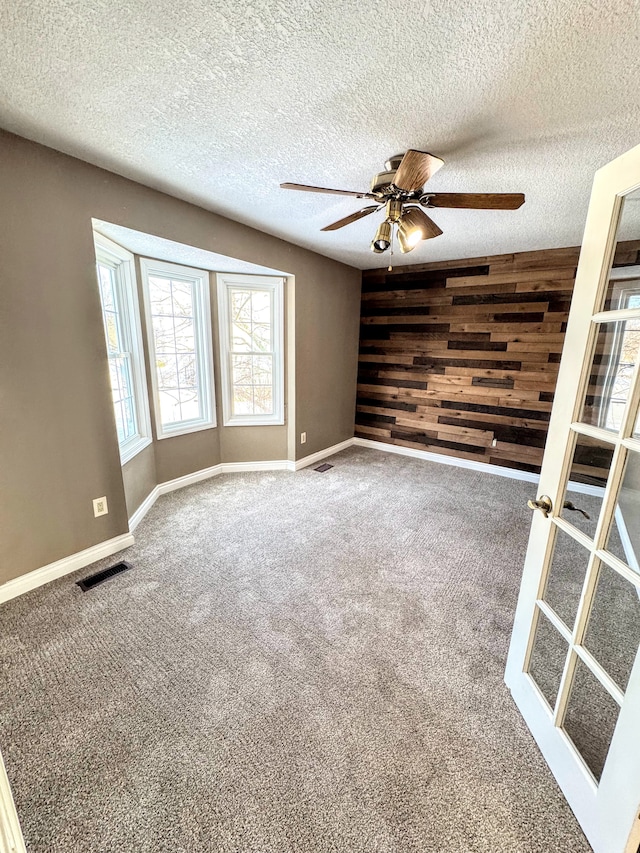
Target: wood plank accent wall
{"type": "Point", "coordinates": [461, 358]}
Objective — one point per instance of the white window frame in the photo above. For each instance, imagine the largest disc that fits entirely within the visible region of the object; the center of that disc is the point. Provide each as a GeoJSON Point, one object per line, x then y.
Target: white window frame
{"type": "Point", "coordinates": [275, 286]}
{"type": "Point", "coordinates": [111, 254]}
{"type": "Point", "coordinates": [204, 349]}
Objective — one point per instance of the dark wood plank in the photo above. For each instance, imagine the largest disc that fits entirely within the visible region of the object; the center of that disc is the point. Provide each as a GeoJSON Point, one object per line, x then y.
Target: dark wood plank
{"type": "Point", "coordinates": [458, 355]}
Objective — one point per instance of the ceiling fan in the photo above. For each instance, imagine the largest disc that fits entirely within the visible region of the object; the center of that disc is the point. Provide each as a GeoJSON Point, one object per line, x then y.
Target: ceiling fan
{"type": "Point", "coordinates": [400, 190]}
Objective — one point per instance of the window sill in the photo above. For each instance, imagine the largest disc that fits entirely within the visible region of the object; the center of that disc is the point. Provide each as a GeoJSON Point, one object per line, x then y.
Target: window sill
{"type": "Point", "coordinates": [185, 430]}
{"type": "Point", "coordinates": [132, 450]}
{"type": "Point", "coordinates": [232, 422]}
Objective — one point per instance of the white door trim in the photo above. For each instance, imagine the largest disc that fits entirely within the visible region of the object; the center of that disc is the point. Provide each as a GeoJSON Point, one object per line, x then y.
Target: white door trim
{"type": "Point", "coordinates": [11, 840]}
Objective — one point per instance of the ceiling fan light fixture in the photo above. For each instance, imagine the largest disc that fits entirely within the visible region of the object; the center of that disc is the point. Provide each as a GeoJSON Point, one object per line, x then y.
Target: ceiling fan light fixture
{"type": "Point", "coordinates": [382, 240]}
{"type": "Point", "coordinates": [411, 227]}
{"type": "Point", "coordinates": [408, 242]}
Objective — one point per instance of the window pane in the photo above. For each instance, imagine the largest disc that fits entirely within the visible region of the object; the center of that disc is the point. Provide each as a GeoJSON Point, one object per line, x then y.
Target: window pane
{"type": "Point", "coordinates": [114, 375]}
{"type": "Point", "coordinates": [174, 308]}
{"type": "Point", "coordinates": [241, 306]}
{"type": "Point", "coordinates": [547, 659]}
{"type": "Point", "coordinates": [261, 307]}
{"type": "Point", "coordinates": [613, 632]}
{"type": "Point", "coordinates": [589, 472]}
{"type": "Point", "coordinates": [241, 337]}
{"type": "Point", "coordinates": [262, 369]}
{"type": "Point", "coordinates": [123, 393]}
{"type": "Point", "coordinates": [566, 577]}
{"type": "Point", "coordinates": [105, 276]}
{"type": "Point", "coordinates": [617, 351]}
{"type": "Point", "coordinates": [190, 403]}
{"type": "Point", "coordinates": [624, 540]}
{"type": "Point", "coordinates": [163, 334]}
{"type": "Point", "coordinates": [124, 376]}
{"type": "Point", "coordinates": [129, 417]}
{"type": "Point", "coordinates": [119, 421]}
{"type": "Point", "coordinates": [624, 276]}
{"type": "Point", "coordinates": [241, 366]}
{"type": "Point", "coordinates": [160, 295]}
{"type": "Point", "coordinates": [187, 373]}
{"type": "Point", "coordinates": [254, 359]}
{"type": "Point", "coordinates": [591, 718]}
{"type": "Point", "coordinates": [117, 289]}
{"type": "Point", "coordinates": [263, 399]}
{"type": "Point", "coordinates": [243, 400]}
{"type": "Point", "coordinates": [261, 337]}
{"type": "Point", "coordinates": [167, 367]}
{"type": "Point", "coordinates": [111, 331]}
{"type": "Point", "coordinates": [182, 299]}
{"type": "Point", "coordinates": [170, 406]}
{"type": "Point", "coordinates": [185, 335]}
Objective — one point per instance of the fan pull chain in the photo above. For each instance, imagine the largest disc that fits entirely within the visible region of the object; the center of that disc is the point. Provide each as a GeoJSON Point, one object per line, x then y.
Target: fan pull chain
{"type": "Point", "coordinates": [390, 267]}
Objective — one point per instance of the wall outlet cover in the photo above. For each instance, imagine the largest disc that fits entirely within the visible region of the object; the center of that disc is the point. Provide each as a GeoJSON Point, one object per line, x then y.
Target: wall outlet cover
{"type": "Point", "coordinates": [303, 438]}
{"type": "Point", "coordinates": [100, 506]}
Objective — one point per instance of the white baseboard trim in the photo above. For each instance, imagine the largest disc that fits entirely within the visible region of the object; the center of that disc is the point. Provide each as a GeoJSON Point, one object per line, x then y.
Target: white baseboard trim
{"type": "Point", "coordinates": [269, 465]}
{"type": "Point", "coordinates": [485, 467]}
{"type": "Point", "coordinates": [143, 509]}
{"type": "Point", "coordinates": [321, 454]}
{"type": "Point", "coordinates": [38, 577]}
{"type": "Point", "coordinates": [288, 465]}
{"type": "Point", "coordinates": [188, 480]}
{"type": "Point", "coordinates": [205, 474]}
{"type": "Point", "coordinates": [230, 468]}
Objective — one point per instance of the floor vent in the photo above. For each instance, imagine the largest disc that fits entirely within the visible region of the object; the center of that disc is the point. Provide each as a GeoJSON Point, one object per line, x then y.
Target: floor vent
{"type": "Point", "coordinates": [324, 467]}
{"type": "Point", "coordinates": [99, 577]}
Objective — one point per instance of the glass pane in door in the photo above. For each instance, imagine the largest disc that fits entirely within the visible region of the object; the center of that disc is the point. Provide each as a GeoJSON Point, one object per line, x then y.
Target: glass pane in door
{"type": "Point", "coordinates": [612, 370]}
{"type": "Point", "coordinates": [613, 632]}
{"type": "Point", "coordinates": [590, 718]}
{"type": "Point", "coordinates": [624, 538]}
{"type": "Point", "coordinates": [588, 476]}
{"type": "Point", "coordinates": [547, 659]}
{"type": "Point", "coordinates": [624, 278]}
{"type": "Point", "coordinates": [566, 577]}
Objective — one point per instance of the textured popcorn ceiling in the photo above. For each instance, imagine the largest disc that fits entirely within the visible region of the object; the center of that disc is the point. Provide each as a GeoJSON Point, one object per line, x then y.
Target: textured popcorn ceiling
{"type": "Point", "coordinates": [219, 102]}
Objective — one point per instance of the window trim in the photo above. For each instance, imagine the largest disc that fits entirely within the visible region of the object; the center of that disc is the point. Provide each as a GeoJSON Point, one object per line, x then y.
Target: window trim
{"type": "Point", "coordinates": [274, 285]}
{"type": "Point", "coordinates": [111, 254]}
{"type": "Point", "coordinates": [204, 347]}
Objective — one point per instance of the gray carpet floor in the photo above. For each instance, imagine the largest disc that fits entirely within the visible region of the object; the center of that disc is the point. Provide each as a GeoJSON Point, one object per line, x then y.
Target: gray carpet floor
{"type": "Point", "coordinates": [297, 663]}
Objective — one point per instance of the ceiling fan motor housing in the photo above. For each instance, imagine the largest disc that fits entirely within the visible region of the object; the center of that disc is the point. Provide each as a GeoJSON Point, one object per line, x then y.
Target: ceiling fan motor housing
{"type": "Point", "coordinates": [382, 182]}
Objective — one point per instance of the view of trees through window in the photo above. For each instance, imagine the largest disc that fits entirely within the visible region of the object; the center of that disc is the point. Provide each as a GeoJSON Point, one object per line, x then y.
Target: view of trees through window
{"type": "Point", "coordinates": [174, 335]}
{"type": "Point", "coordinates": [120, 370]}
{"type": "Point", "coordinates": [624, 362]}
{"type": "Point", "coordinates": [251, 351]}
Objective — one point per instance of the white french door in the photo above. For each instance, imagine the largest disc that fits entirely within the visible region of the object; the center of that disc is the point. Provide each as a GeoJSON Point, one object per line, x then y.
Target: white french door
{"type": "Point", "coordinates": [573, 666]}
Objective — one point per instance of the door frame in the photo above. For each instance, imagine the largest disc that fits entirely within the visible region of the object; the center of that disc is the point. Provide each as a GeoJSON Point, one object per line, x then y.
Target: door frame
{"type": "Point", "coordinates": [611, 183]}
{"type": "Point", "coordinates": [11, 840]}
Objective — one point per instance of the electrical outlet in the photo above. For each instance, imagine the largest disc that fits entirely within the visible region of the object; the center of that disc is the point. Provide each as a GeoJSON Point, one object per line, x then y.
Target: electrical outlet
{"type": "Point", "coordinates": [303, 438]}
{"type": "Point", "coordinates": [100, 506]}
{"type": "Point", "coordinates": [494, 443]}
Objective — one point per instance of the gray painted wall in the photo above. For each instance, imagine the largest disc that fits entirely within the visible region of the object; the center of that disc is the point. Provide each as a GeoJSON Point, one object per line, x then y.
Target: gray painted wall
{"type": "Point", "coordinates": [58, 447]}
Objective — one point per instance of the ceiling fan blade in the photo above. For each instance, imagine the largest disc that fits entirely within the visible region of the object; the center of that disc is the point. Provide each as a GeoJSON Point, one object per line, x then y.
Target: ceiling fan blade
{"type": "Point", "coordinates": [479, 201]}
{"type": "Point", "coordinates": [425, 223]}
{"type": "Point", "coordinates": [309, 189]}
{"type": "Point", "coordinates": [415, 170]}
{"type": "Point", "coordinates": [351, 218]}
